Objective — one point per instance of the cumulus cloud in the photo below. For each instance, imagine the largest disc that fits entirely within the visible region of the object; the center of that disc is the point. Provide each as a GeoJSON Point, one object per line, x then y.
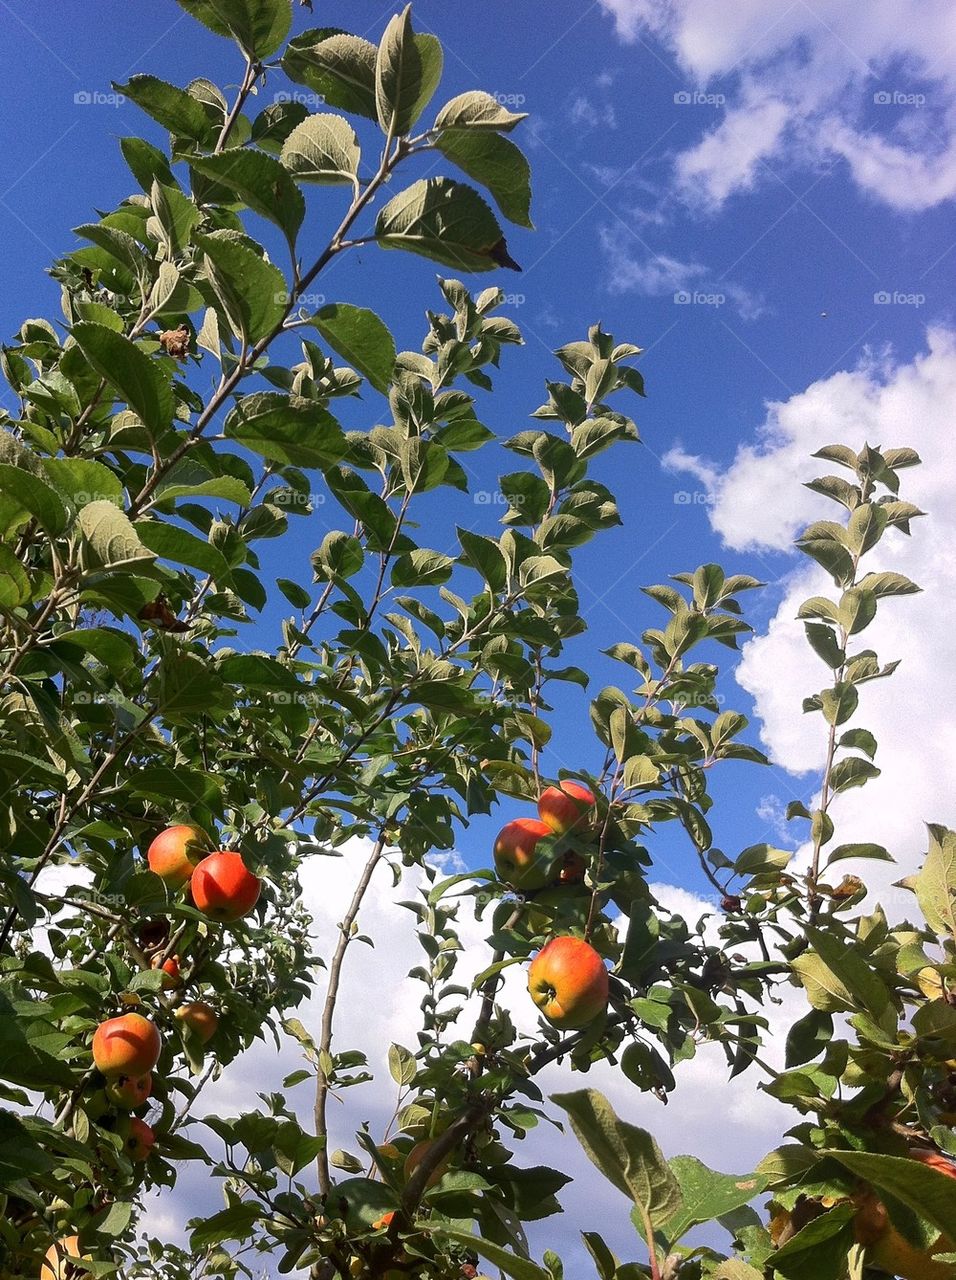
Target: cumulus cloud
{"type": "Point", "coordinates": [873, 85]}
{"type": "Point", "coordinates": [759, 503]}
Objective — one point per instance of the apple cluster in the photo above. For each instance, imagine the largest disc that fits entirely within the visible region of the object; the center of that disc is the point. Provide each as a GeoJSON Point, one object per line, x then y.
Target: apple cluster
{"type": "Point", "coordinates": [567, 979]}
{"type": "Point", "coordinates": [127, 1048]}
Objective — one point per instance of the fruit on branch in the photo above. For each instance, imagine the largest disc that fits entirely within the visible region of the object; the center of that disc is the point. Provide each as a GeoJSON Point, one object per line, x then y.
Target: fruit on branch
{"type": "Point", "coordinates": [418, 1154]}
{"type": "Point", "coordinates": [891, 1252]}
{"type": "Point", "coordinates": [516, 858]}
{"type": "Point", "coordinates": [571, 868]}
{"type": "Point", "coordinates": [384, 1221]}
{"type": "Point", "coordinates": [140, 1140]}
{"type": "Point", "coordinates": [201, 1018]}
{"type": "Point", "coordinates": [130, 1092]}
{"type": "Point", "coordinates": [175, 852]}
{"type": "Point", "coordinates": [566, 807]}
{"type": "Point", "coordinates": [126, 1046]}
{"type": "Point", "coordinates": [569, 983]}
{"type": "Point", "coordinates": [63, 1259]}
{"type": "Point", "coordinates": [170, 968]}
{"type": "Point", "coordinates": [223, 887]}
{"type": "Point", "coordinates": [934, 1160]}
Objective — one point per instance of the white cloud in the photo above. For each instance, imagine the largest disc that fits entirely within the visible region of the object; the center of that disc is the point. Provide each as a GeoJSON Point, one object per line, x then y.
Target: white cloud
{"type": "Point", "coordinates": [872, 84]}
{"type": "Point", "coordinates": [633, 267]}
{"type": "Point", "coordinates": [759, 503]}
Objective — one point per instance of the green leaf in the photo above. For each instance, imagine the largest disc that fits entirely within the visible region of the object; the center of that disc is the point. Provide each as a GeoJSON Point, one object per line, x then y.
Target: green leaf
{"type": "Point", "coordinates": [874, 851]}
{"type": "Point", "coordinates": [234, 1223]}
{"type": "Point", "coordinates": [485, 555]}
{"type": "Point", "coordinates": [838, 978]}
{"type": "Point", "coordinates": [445, 221]}
{"type": "Point", "coordinates": [707, 1195]}
{"type": "Point", "coordinates": [338, 66]}
{"type": "Point", "coordinates": [110, 535]}
{"type": "Point", "coordinates": [401, 1064]}
{"type": "Point", "coordinates": [421, 568]}
{"type": "Point", "coordinates": [839, 703]}
{"type": "Point", "coordinates": [172, 543]}
{"type": "Point", "coordinates": [323, 149]}
{"type": "Point", "coordinates": [14, 583]}
{"type": "Point", "coordinates": [340, 555]}
{"type": "Point", "coordinates": [261, 183]}
{"type": "Point", "coordinates": [497, 164]}
{"type": "Point", "coordinates": [935, 883]}
{"type": "Point", "coordinates": [173, 108]}
{"type": "Point", "coordinates": [627, 1156]}
{"type": "Point", "coordinates": [288, 429]}
{"type": "Point", "coordinates": [253, 292]}
{"type": "Point", "coordinates": [258, 26]}
{"type": "Point", "coordinates": [226, 487]}
{"type": "Point", "coordinates": [819, 1250]}
{"type": "Point", "coordinates": [510, 1263]}
{"type": "Point", "coordinates": [35, 496]}
{"type": "Point", "coordinates": [888, 584]}
{"type": "Point", "coordinates": [407, 71]}
{"type": "Point", "coordinates": [824, 643]}
{"type": "Point", "coordinates": [866, 526]}
{"type": "Point", "coordinates": [852, 772]}
{"type": "Point", "coordinates": [137, 378]}
{"type": "Point", "coordinates": [361, 338]}
{"type": "Point", "coordinates": [476, 110]}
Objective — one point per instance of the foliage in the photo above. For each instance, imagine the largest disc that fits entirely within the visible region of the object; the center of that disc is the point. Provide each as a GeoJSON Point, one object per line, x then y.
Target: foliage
{"type": "Point", "coordinates": [409, 691]}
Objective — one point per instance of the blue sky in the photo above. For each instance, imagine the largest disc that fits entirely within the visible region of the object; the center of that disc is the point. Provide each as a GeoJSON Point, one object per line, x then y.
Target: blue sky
{"type": "Point", "coordinates": [761, 196]}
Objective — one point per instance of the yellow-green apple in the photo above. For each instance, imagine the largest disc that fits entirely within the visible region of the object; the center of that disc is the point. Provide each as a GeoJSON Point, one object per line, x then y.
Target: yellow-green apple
{"type": "Point", "coordinates": [417, 1155]}
{"type": "Point", "coordinates": [566, 807]}
{"type": "Point", "coordinates": [201, 1018]}
{"type": "Point", "coordinates": [568, 982]}
{"type": "Point", "coordinates": [175, 852]}
{"type": "Point", "coordinates": [139, 1140]}
{"type": "Point", "coordinates": [63, 1259]}
{"type": "Point", "coordinates": [223, 887]}
{"type": "Point", "coordinates": [129, 1092]}
{"type": "Point", "coordinates": [126, 1046]}
{"type": "Point", "coordinates": [516, 858]}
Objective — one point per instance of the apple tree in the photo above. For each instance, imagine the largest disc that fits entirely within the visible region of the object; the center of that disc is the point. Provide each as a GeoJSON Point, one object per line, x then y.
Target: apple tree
{"type": "Point", "coordinates": [166, 775]}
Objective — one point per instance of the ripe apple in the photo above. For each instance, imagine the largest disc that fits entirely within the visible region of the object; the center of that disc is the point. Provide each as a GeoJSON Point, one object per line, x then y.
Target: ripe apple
{"type": "Point", "coordinates": [571, 868]}
{"type": "Point", "coordinates": [515, 858]}
{"type": "Point", "coordinates": [566, 806]}
{"type": "Point", "coordinates": [62, 1259]}
{"type": "Point", "coordinates": [126, 1046]}
{"type": "Point", "coordinates": [934, 1160]}
{"type": "Point", "coordinates": [223, 887]}
{"type": "Point", "coordinates": [129, 1092]}
{"type": "Point", "coordinates": [417, 1154]}
{"type": "Point", "coordinates": [175, 852]}
{"type": "Point", "coordinates": [140, 1140]}
{"type": "Point", "coordinates": [384, 1221]}
{"type": "Point", "coordinates": [569, 983]}
{"type": "Point", "coordinates": [200, 1018]}
{"type": "Point", "coordinates": [170, 968]}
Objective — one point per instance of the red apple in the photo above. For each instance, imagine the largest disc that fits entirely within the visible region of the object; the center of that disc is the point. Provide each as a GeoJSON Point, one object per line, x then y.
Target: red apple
{"type": "Point", "coordinates": [566, 807]}
{"type": "Point", "coordinates": [223, 887]}
{"type": "Point", "coordinates": [140, 1140]}
{"type": "Point", "coordinates": [571, 868]}
{"type": "Point", "coordinates": [516, 859]}
{"type": "Point", "coordinates": [934, 1160]}
{"type": "Point", "coordinates": [129, 1092]}
{"type": "Point", "coordinates": [126, 1046]}
{"type": "Point", "coordinates": [200, 1018]}
{"type": "Point", "coordinates": [174, 853]}
{"type": "Point", "coordinates": [569, 983]}
{"type": "Point", "coordinates": [170, 970]}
